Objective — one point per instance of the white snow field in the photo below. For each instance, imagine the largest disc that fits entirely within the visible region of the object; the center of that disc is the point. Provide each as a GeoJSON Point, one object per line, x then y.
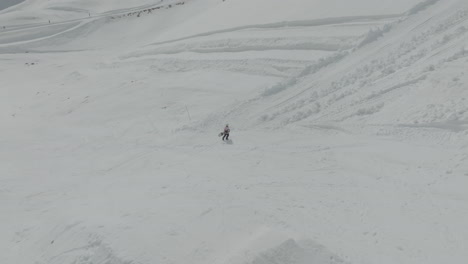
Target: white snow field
{"type": "Point", "coordinates": [349, 139]}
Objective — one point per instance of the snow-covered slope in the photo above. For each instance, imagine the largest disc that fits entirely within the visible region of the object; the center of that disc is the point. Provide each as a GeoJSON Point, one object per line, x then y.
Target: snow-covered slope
{"type": "Point", "coordinates": [349, 132]}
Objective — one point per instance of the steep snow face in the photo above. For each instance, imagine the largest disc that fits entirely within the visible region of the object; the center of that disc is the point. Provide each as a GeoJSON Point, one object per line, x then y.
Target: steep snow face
{"type": "Point", "coordinates": [348, 145]}
{"type": "Point", "coordinates": [232, 14]}
{"type": "Point", "coordinates": [406, 67]}
{"type": "Point", "coordinates": [401, 63]}
{"type": "Point", "coordinates": [86, 25]}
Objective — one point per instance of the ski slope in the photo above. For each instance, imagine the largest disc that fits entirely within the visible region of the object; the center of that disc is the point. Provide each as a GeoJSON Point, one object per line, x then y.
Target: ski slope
{"type": "Point", "coordinates": [349, 134]}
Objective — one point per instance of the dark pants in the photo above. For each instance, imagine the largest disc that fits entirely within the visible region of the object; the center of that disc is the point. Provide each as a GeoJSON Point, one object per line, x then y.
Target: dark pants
{"type": "Point", "coordinates": [226, 136]}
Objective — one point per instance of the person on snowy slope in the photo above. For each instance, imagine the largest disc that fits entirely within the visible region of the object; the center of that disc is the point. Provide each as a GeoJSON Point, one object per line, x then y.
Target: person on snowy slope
{"type": "Point", "coordinates": [226, 132]}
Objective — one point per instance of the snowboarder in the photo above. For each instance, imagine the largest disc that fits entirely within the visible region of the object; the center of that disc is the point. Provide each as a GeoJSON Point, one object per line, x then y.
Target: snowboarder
{"type": "Point", "coordinates": [226, 132]}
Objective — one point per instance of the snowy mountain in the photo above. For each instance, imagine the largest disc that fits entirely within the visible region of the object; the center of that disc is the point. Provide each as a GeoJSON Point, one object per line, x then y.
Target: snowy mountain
{"type": "Point", "coordinates": [349, 139]}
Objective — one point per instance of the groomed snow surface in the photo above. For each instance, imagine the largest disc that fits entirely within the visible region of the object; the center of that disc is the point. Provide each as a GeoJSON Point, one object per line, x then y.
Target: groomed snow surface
{"type": "Point", "coordinates": [349, 138]}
